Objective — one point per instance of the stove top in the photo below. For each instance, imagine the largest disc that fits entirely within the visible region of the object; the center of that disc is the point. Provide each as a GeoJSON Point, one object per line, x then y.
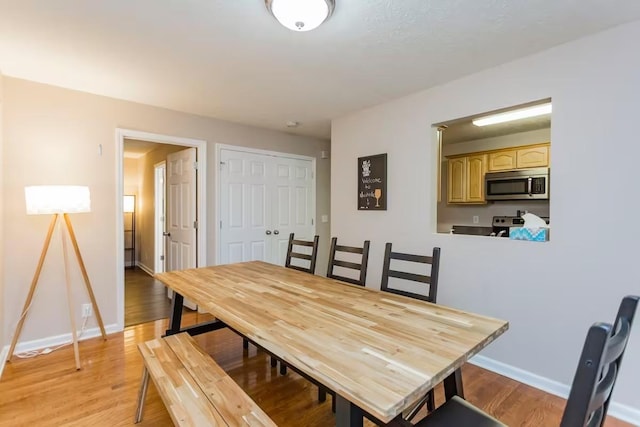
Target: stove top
{"type": "Point", "coordinates": [511, 221]}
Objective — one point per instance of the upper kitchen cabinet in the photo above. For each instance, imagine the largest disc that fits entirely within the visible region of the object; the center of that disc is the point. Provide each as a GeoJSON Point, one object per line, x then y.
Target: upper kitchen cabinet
{"type": "Point", "coordinates": [533, 157]}
{"type": "Point", "coordinates": [465, 183]}
{"type": "Point", "coordinates": [502, 160]}
{"type": "Point", "coordinates": [457, 186]}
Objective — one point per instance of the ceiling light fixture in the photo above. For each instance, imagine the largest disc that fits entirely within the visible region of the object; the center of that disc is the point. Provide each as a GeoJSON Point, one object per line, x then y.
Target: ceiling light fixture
{"type": "Point", "coordinates": [523, 113]}
{"type": "Point", "coordinates": [301, 15]}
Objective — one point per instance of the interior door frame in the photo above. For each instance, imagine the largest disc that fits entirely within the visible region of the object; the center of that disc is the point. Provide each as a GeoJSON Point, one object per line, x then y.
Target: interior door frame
{"type": "Point", "coordinates": [217, 204]}
{"type": "Point", "coordinates": [201, 183]}
{"type": "Point", "coordinates": [159, 215]}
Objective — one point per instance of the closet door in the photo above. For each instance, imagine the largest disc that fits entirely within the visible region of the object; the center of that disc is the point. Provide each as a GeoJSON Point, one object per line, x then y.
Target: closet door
{"type": "Point", "coordinates": [263, 198]}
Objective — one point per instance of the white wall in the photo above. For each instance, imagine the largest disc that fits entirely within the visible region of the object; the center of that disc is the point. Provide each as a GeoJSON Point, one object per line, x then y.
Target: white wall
{"type": "Point", "coordinates": [550, 292]}
{"type": "Point", "coordinates": [51, 135]}
{"type": "Point", "coordinates": [2, 321]}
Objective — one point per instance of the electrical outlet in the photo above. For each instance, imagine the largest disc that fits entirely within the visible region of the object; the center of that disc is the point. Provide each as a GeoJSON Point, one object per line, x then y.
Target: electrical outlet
{"type": "Point", "coordinates": [476, 219]}
{"type": "Point", "coordinates": [87, 310]}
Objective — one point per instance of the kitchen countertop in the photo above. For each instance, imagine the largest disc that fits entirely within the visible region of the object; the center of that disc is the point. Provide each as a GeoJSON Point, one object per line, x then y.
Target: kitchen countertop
{"type": "Point", "coordinates": [474, 230]}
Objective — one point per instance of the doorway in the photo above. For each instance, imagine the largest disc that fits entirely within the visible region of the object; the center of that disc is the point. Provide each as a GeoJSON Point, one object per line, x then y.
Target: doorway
{"type": "Point", "coordinates": [153, 178]}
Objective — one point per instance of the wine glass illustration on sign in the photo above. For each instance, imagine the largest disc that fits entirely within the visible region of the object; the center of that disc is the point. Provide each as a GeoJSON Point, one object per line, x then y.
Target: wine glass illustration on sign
{"type": "Point", "coordinates": [377, 193]}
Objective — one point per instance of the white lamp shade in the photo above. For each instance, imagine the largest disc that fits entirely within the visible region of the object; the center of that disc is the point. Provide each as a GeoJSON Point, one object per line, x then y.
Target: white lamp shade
{"type": "Point", "coordinates": [129, 203]}
{"type": "Point", "coordinates": [301, 15]}
{"type": "Point", "coordinates": [55, 199]}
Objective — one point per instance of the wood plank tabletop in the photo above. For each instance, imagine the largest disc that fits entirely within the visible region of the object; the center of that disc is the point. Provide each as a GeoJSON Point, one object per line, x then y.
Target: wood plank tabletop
{"type": "Point", "coordinates": [378, 350]}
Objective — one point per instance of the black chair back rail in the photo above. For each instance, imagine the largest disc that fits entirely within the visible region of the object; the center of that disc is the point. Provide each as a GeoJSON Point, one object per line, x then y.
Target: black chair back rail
{"type": "Point", "coordinates": [308, 257]}
{"type": "Point", "coordinates": [361, 267]}
{"type": "Point", "coordinates": [431, 279]}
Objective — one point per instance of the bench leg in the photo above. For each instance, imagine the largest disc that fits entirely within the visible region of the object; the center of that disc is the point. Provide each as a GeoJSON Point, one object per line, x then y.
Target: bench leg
{"type": "Point", "coordinates": [245, 344]}
{"type": "Point", "coordinates": [142, 395]}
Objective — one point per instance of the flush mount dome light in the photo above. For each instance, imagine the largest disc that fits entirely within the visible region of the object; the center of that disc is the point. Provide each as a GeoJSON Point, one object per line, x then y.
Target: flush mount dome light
{"type": "Point", "coordinates": [301, 15]}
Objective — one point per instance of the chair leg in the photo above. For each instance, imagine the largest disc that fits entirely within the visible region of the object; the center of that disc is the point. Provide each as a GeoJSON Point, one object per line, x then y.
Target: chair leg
{"type": "Point", "coordinates": [142, 394]}
{"type": "Point", "coordinates": [245, 344]}
{"type": "Point", "coordinates": [431, 402]}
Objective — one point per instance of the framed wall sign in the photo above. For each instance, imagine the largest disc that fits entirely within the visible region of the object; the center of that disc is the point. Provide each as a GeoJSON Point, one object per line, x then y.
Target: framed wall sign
{"type": "Point", "coordinates": [372, 183]}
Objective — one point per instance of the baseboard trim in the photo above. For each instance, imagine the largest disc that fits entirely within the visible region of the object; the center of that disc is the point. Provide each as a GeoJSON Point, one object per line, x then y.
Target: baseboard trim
{"type": "Point", "coordinates": [145, 268]}
{"type": "Point", "coordinates": [57, 340]}
{"type": "Point", "coordinates": [3, 358]}
{"type": "Point", "coordinates": [622, 412]}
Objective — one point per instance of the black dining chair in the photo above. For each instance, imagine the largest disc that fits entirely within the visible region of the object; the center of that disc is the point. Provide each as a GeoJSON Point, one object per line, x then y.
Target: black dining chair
{"type": "Point", "coordinates": [360, 267]}
{"type": "Point", "coordinates": [590, 393]}
{"type": "Point", "coordinates": [429, 278]}
{"type": "Point", "coordinates": [291, 254]}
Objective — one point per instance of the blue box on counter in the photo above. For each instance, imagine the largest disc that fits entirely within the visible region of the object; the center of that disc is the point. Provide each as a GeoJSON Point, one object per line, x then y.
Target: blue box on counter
{"type": "Point", "coordinates": [530, 234]}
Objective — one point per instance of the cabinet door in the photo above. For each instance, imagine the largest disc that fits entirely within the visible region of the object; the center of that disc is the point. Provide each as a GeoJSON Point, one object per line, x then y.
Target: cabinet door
{"type": "Point", "coordinates": [502, 160]}
{"type": "Point", "coordinates": [533, 157]}
{"type": "Point", "coordinates": [476, 168]}
{"type": "Point", "coordinates": [456, 185]}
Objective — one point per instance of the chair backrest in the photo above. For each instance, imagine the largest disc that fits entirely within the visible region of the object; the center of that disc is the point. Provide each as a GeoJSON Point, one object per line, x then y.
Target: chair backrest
{"type": "Point", "coordinates": [431, 279]}
{"type": "Point", "coordinates": [361, 267]}
{"type": "Point", "coordinates": [598, 369]}
{"type": "Point", "coordinates": [308, 257]}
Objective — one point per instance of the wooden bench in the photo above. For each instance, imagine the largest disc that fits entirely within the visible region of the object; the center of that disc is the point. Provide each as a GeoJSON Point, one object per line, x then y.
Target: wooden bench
{"type": "Point", "coordinates": [195, 390]}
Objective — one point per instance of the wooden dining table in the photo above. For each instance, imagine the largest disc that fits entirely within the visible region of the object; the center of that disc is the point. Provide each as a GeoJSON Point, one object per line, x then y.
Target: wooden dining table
{"type": "Point", "coordinates": [378, 352]}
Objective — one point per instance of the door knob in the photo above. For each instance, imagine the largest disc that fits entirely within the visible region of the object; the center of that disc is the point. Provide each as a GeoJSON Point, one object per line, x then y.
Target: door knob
{"type": "Point", "coordinates": [268, 232]}
{"type": "Point", "coordinates": [166, 234]}
{"type": "Point", "coordinates": [276, 232]}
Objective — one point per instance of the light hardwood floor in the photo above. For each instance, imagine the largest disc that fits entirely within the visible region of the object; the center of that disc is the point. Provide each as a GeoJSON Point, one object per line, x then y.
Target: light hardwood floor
{"type": "Point", "coordinates": [48, 391]}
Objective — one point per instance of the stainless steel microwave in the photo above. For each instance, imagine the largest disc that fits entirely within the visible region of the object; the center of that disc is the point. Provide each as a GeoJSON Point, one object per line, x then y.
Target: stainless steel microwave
{"type": "Point", "coordinates": [525, 184]}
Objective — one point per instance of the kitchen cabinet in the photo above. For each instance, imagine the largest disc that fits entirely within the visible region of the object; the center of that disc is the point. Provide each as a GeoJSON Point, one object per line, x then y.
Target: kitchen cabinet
{"type": "Point", "coordinates": [466, 179]}
{"type": "Point", "coordinates": [476, 168]}
{"type": "Point", "coordinates": [502, 160]}
{"type": "Point", "coordinates": [536, 156]}
{"type": "Point", "coordinates": [456, 188]}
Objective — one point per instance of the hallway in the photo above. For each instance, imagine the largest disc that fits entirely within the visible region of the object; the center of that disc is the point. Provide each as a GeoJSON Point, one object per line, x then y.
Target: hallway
{"type": "Point", "coordinates": [145, 298]}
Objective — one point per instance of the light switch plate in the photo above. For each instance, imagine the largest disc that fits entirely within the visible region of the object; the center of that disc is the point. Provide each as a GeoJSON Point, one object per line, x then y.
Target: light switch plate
{"type": "Point", "coordinates": [476, 219]}
{"type": "Point", "coordinates": [324, 218]}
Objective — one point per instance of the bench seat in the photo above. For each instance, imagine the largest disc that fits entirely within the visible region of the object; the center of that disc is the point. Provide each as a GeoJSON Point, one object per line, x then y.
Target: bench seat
{"type": "Point", "coordinates": [195, 390]}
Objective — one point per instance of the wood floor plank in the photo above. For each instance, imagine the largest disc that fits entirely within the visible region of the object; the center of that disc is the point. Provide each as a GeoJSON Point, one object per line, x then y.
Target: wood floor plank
{"type": "Point", "coordinates": [48, 391]}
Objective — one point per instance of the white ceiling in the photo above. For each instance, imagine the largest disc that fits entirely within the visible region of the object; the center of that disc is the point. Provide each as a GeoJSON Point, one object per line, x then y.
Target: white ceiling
{"type": "Point", "coordinates": [231, 60]}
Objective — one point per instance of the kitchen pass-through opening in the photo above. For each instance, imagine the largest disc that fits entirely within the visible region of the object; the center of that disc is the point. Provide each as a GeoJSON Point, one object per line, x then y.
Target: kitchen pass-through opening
{"type": "Point", "coordinates": [495, 173]}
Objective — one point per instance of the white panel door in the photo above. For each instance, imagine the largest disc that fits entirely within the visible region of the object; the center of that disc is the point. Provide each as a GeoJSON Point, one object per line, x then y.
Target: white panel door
{"type": "Point", "coordinates": [245, 206]}
{"type": "Point", "coordinates": [263, 198]}
{"type": "Point", "coordinates": [293, 204]}
{"type": "Point", "coordinates": [181, 201]}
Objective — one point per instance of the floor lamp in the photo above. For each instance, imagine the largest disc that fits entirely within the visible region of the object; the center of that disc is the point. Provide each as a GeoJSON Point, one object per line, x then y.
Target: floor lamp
{"type": "Point", "coordinates": [59, 200]}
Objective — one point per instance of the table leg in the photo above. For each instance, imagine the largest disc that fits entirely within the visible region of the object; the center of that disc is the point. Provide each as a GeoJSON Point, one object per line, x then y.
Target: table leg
{"type": "Point", "coordinates": [453, 385]}
{"type": "Point", "coordinates": [176, 314]}
{"type": "Point", "coordinates": [347, 414]}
